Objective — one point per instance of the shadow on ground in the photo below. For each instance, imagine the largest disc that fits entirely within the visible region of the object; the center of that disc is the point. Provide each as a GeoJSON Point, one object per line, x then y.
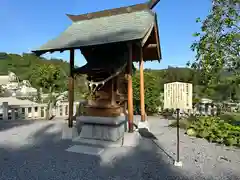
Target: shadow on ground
{"type": "Point", "coordinates": [5, 125]}
{"type": "Point", "coordinates": [46, 158]}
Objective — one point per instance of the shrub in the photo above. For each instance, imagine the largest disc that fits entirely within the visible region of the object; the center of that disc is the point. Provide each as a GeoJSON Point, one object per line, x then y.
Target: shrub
{"type": "Point", "coordinates": [216, 130]}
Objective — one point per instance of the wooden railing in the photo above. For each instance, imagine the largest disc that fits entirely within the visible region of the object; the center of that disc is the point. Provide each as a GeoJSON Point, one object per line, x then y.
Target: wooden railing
{"type": "Point", "coordinates": [35, 111]}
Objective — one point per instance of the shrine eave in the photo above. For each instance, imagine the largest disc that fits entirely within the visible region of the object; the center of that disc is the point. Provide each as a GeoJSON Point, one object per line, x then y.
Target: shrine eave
{"type": "Point", "coordinates": [133, 26]}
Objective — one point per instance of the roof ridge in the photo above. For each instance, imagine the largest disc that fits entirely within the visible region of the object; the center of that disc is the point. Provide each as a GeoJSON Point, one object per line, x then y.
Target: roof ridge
{"type": "Point", "coordinates": [144, 10]}
{"type": "Point", "coordinates": [109, 12]}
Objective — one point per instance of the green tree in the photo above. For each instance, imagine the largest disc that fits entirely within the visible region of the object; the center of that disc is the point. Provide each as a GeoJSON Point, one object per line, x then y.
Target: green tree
{"type": "Point", "coordinates": [47, 77]}
{"type": "Point", "coordinates": [80, 88]}
{"type": "Point", "coordinates": [217, 45]}
{"type": "Point", "coordinates": [174, 74]}
{"type": "Point", "coordinates": [152, 92]}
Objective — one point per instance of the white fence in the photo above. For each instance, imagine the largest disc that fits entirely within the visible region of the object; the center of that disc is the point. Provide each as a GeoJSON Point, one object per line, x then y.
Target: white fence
{"type": "Point", "coordinates": [38, 111]}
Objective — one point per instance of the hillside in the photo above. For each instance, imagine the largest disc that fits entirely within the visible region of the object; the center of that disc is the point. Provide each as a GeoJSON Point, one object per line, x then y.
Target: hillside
{"type": "Point", "coordinates": [24, 65]}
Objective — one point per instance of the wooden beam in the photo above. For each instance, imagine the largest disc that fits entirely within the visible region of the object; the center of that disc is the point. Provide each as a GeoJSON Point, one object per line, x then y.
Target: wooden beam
{"type": "Point", "coordinates": [153, 3]}
{"type": "Point", "coordinates": [156, 32]}
{"type": "Point", "coordinates": [113, 92]}
{"type": "Point", "coordinates": [151, 46]}
{"type": "Point", "coordinates": [146, 37]}
{"type": "Point", "coordinates": [130, 90]}
{"type": "Point", "coordinates": [142, 102]}
{"type": "Point", "coordinates": [71, 89]}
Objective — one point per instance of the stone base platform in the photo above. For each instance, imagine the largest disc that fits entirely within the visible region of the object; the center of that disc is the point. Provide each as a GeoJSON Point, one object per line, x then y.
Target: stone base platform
{"type": "Point", "coordinates": [98, 143]}
{"type": "Point", "coordinates": [128, 140]}
{"type": "Point", "coordinates": [102, 128]}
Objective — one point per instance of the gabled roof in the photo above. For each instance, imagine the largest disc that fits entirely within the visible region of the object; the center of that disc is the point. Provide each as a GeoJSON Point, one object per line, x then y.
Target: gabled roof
{"type": "Point", "coordinates": [15, 101]}
{"type": "Point", "coordinates": [103, 30]}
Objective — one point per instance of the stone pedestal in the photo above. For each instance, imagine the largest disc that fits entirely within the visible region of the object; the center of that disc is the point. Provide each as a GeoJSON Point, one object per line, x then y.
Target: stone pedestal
{"type": "Point", "coordinates": [69, 133]}
{"type": "Point", "coordinates": [143, 125]}
{"type": "Point", "coordinates": [102, 128]}
{"type": "Point", "coordinates": [5, 110]}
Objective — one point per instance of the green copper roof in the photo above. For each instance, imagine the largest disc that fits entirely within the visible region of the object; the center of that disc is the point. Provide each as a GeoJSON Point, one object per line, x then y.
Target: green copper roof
{"type": "Point", "coordinates": [111, 29]}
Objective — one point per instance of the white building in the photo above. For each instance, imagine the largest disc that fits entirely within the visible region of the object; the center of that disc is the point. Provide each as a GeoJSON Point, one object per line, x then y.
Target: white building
{"type": "Point", "coordinates": [13, 87]}
{"type": "Point", "coordinates": [12, 101]}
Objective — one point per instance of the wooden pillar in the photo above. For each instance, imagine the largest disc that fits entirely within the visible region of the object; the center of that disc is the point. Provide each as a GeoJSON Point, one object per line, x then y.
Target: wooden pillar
{"type": "Point", "coordinates": [113, 93]}
{"type": "Point", "coordinates": [71, 89]}
{"type": "Point", "coordinates": [143, 116]}
{"type": "Point", "coordinates": [130, 90]}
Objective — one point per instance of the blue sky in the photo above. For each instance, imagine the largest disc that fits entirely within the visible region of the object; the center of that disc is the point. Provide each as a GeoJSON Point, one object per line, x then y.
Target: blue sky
{"type": "Point", "coordinates": [28, 24]}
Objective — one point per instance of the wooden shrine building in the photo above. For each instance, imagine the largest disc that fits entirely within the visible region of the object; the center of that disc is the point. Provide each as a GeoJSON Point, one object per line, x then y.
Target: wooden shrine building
{"type": "Point", "coordinates": [110, 40]}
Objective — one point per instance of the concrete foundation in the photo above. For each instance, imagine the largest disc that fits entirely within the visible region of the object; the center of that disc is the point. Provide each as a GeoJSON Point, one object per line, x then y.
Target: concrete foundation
{"type": "Point", "coordinates": [69, 133]}
{"type": "Point", "coordinates": [128, 140]}
{"type": "Point", "coordinates": [95, 151]}
{"type": "Point", "coordinates": [143, 125]}
{"type": "Point", "coordinates": [99, 143]}
{"type": "Point", "coordinates": [102, 128]}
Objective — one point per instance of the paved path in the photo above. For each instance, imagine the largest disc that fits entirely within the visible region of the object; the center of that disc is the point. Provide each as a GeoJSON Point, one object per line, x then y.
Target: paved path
{"type": "Point", "coordinates": [34, 150]}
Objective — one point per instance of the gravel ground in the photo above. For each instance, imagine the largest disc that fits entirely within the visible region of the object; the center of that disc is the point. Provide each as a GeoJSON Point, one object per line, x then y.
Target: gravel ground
{"type": "Point", "coordinates": [198, 156]}
{"type": "Point", "coordinates": [34, 150]}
